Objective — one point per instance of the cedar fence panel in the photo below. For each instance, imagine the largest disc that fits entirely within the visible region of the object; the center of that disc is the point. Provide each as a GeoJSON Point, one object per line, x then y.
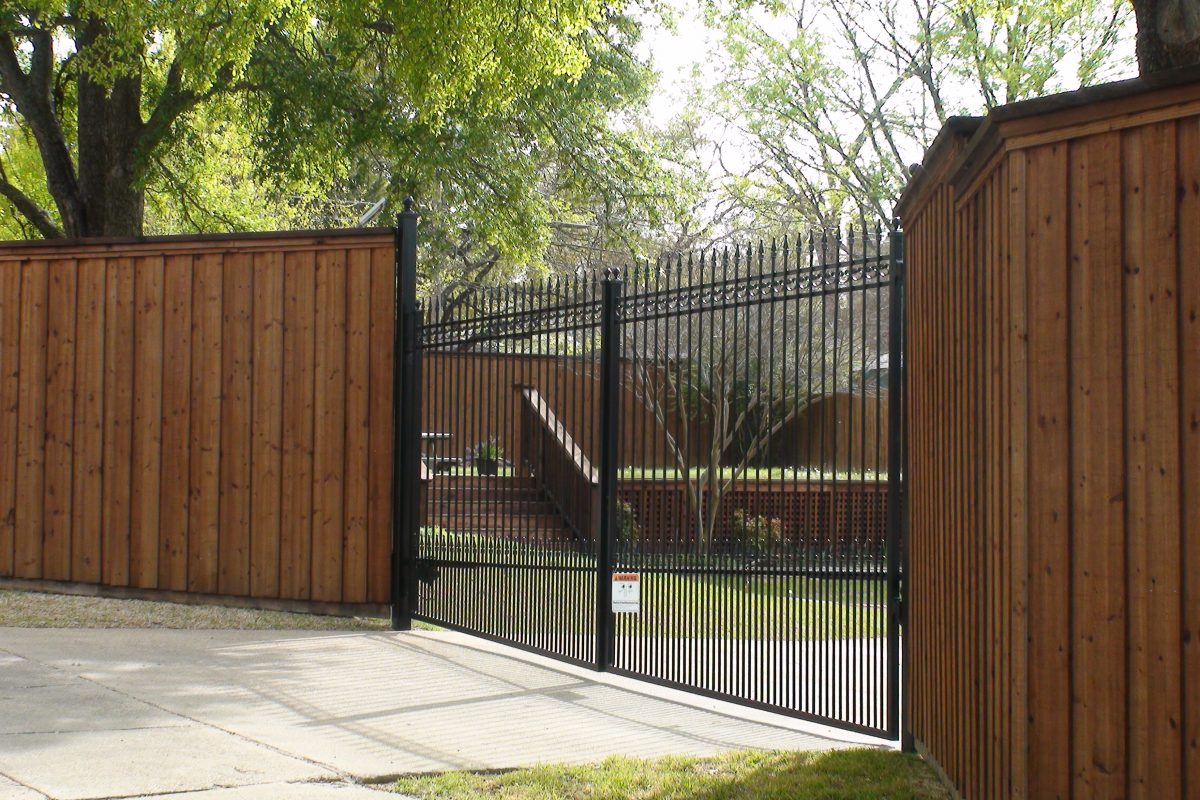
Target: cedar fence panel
{"type": "Point", "coordinates": [835, 518]}
{"type": "Point", "coordinates": [1053, 640]}
{"type": "Point", "coordinates": [203, 415]}
{"type": "Point", "coordinates": [493, 380]}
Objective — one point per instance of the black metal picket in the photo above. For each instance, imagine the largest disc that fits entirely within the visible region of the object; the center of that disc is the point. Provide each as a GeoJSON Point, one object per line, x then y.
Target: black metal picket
{"type": "Point", "coordinates": [689, 472]}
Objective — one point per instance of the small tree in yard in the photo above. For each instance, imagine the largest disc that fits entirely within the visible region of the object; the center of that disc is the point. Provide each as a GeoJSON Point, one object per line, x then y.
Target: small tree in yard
{"type": "Point", "coordinates": [724, 376]}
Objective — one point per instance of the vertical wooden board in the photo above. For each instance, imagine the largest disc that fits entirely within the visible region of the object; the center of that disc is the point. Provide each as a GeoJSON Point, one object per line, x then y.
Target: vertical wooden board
{"type": "Point", "coordinates": [985, 466]}
{"type": "Point", "coordinates": [916, 700]}
{"type": "Point", "coordinates": [60, 413]}
{"type": "Point", "coordinates": [88, 477]}
{"type": "Point", "coordinates": [1097, 476]}
{"type": "Point", "coordinates": [31, 428]}
{"type": "Point", "coordinates": [1049, 512]}
{"type": "Point", "coordinates": [204, 473]}
{"type": "Point", "coordinates": [236, 477]}
{"type": "Point", "coordinates": [955, 663]}
{"type": "Point", "coordinates": [146, 477]}
{"type": "Point", "coordinates": [10, 348]}
{"type": "Point", "coordinates": [954, 735]}
{"type": "Point", "coordinates": [973, 590]}
{"type": "Point", "coordinates": [1189, 424]}
{"type": "Point", "coordinates": [358, 432]}
{"type": "Point", "coordinates": [119, 337]}
{"type": "Point", "coordinates": [964, 544]}
{"type": "Point", "coordinates": [176, 427]}
{"type": "Point", "coordinates": [1152, 467]}
{"type": "Point", "coordinates": [913, 715]}
{"type": "Point", "coordinates": [296, 498]}
{"type": "Point", "coordinates": [329, 425]}
{"type": "Point", "coordinates": [267, 426]}
{"type": "Point", "coordinates": [1001, 464]}
{"type": "Point", "coordinates": [993, 465]}
{"type": "Point", "coordinates": [379, 486]}
{"type": "Point", "coordinates": [1016, 339]}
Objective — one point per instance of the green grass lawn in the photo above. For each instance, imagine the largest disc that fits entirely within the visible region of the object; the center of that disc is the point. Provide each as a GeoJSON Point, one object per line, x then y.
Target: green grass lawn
{"type": "Point", "coordinates": [793, 608]}
{"type": "Point", "coordinates": [837, 775]}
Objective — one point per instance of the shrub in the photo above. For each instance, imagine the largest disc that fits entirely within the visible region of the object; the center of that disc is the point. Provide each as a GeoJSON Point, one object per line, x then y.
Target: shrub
{"type": "Point", "coordinates": [629, 532]}
{"type": "Point", "coordinates": [758, 534]}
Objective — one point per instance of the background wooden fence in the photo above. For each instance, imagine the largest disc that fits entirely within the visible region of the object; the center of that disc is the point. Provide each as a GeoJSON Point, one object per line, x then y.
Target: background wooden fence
{"type": "Point", "coordinates": [202, 415]}
{"type": "Point", "coordinates": [1054, 352]}
{"type": "Point", "coordinates": [849, 429]}
{"type": "Point", "coordinates": [493, 381]}
{"type": "Point", "coordinates": [835, 518]}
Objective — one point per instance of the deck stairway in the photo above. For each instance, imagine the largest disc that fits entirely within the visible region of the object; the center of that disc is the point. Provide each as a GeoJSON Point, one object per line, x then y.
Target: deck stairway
{"type": "Point", "coordinates": [554, 504]}
{"type": "Point", "coordinates": [515, 508]}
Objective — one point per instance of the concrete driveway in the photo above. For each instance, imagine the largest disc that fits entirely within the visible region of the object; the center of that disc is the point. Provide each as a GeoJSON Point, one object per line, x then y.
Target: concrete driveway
{"type": "Point", "coordinates": [241, 714]}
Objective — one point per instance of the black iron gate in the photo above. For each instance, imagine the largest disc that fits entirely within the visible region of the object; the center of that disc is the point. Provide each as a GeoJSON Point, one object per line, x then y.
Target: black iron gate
{"type": "Point", "coordinates": [687, 472]}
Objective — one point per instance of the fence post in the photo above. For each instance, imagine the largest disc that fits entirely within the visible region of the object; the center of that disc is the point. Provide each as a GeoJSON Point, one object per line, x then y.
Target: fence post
{"type": "Point", "coordinates": [896, 476]}
{"type": "Point", "coordinates": [406, 442]}
{"type": "Point", "coordinates": [610, 389]}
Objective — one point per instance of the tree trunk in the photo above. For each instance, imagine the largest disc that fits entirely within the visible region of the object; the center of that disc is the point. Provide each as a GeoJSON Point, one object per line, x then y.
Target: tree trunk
{"type": "Point", "coordinates": [1168, 34]}
{"type": "Point", "coordinates": [113, 204]}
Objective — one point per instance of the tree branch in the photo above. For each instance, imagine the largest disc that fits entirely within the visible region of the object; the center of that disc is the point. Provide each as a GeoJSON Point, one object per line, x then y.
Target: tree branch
{"type": "Point", "coordinates": [174, 102]}
{"type": "Point", "coordinates": [31, 94]}
{"type": "Point", "coordinates": [27, 208]}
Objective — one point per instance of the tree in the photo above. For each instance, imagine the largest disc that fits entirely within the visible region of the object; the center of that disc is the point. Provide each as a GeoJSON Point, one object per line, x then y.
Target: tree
{"type": "Point", "coordinates": [1168, 34]}
{"type": "Point", "coordinates": [836, 98]}
{"type": "Point", "coordinates": [107, 89]}
{"type": "Point", "coordinates": [725, 374]}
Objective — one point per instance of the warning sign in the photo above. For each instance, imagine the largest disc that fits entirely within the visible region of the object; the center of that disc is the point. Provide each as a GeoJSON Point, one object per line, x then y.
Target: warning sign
{"type": "Point", "coordinates": [626, 593]}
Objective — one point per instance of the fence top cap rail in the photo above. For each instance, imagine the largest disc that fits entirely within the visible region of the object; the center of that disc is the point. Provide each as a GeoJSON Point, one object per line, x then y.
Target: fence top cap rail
{"type": "Point", "coordinates": [983, 135]}
{"type": "Point", "coordinates": [256, 240]}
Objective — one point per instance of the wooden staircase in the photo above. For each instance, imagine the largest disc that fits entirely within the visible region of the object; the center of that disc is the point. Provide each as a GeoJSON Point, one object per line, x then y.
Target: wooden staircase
{"type": "Point", "coordinates": [511, 508]}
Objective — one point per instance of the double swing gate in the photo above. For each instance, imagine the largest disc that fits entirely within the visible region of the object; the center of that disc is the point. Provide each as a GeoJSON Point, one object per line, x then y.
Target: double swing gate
{"type": "Point", "coordinates": [686, 472]}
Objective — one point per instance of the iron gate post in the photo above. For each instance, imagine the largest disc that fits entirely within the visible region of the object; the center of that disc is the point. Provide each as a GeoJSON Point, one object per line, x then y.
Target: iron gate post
{"type": "Point", "coordinates": [406, 442]}
{"type": "Point", "coordinates": [610, 387]}
{"type": "Point", "coordinates": [896, 476]}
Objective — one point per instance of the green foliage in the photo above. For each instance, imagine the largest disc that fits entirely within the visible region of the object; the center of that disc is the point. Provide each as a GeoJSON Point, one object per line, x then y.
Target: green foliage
{"type": "Point", "coordinates": [504, 118]}
{"type": "Point", "coordinates": [629, 531]}
{"type": "Point", "coordinates": [487, 450]}
{"type": "Point", "coordinates": [1011, 50]}
{"type": "Point", "coordinates": [838, 97]}
{"type": "Point", "coordinates": [21, 166]}
{"type": "Point", "coordinates": [756, 533]}
{"type": "Point", "coordinates": [209, 182]}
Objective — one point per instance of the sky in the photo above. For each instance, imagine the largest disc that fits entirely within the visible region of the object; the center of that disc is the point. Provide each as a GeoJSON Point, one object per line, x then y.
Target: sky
{"type": "Point", "coordinates": [676, 54]}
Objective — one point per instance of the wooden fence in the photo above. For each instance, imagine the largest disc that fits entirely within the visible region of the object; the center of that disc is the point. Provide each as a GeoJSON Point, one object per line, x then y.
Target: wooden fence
{"type": "Point", "coordinates": [841, 431]}
{"type": "Point", "coordinates": [836, 518]}
{"type": "Point", "coordinates": [205, 415]}
{"type": "Point", "coordinates": [570, 387]}
{"type": "Point", "coordinates": [1054, 364]}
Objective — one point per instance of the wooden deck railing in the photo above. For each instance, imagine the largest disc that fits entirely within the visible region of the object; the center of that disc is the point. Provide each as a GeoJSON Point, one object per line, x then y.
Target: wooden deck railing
{"type": "Point", "coordinates": [558, 464]}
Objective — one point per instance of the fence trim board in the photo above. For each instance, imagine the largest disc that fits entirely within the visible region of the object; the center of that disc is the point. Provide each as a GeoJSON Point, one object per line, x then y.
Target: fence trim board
{"type": "Point", "coordinates": [254, 241]}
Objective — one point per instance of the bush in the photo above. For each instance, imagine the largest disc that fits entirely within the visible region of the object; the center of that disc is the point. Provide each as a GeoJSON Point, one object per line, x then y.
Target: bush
{"type": "Point", "coordinates": [757, 533]}
{"type": "Point", "coordinates": [629, 532]}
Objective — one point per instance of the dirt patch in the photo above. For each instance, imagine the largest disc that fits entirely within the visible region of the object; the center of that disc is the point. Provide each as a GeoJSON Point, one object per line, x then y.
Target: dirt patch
{"type": "Point", "coordinates": [40, 610]}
